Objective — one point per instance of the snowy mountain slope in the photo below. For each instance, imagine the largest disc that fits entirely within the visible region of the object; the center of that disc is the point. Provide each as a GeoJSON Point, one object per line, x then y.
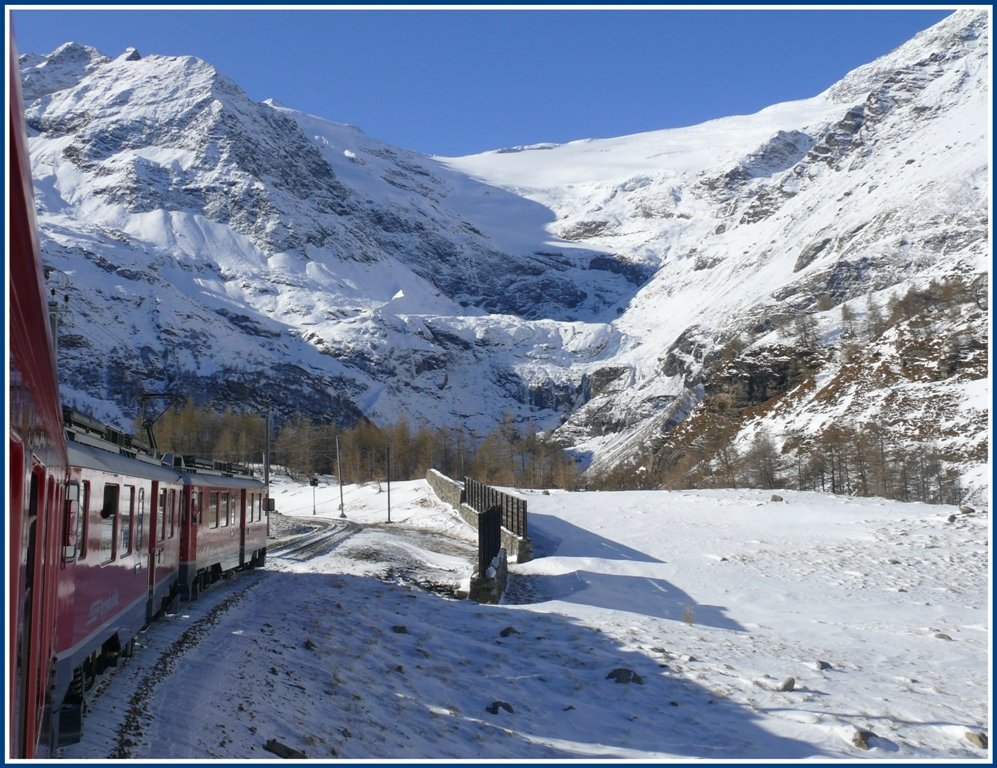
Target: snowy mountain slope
{"type": "Point", "coordinates": [881, 180]}
{"type": "Point", "coordinates": [285, 246]}
{"type": "Point", "coordinates": [594, 285]}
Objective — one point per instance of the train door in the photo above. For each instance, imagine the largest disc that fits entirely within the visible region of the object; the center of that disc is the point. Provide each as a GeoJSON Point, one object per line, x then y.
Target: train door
{"type": "Point", "coordinates": [243, 519]}
{"type": "Point", "coordinates": [155, 544]}
{"type": "Point", "coordinates": [162, 543]}
{"type": "Point", "coordinates": [188, 540]}
{"type": "Point", "coordinates": [143, 533]}
{"type": "Point", "coordinates": [190, 520]}
{"type": "Point", "coordinates": [30, 697]}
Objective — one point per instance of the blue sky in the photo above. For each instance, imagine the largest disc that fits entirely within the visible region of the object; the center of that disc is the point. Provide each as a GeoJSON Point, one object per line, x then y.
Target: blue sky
{"type": "Point", "coordinates": [455, 82]}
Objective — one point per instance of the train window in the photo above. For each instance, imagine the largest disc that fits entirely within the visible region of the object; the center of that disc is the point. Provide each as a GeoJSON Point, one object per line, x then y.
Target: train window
{"type": "Point", "coordinates": [213, 509]}
{"type": "Point", "coordinates": [51, 503]}
{"type": "Point", "coordinates": [140, 528]}
{"type": "Point", "coordinates": [127, 519]}
{"type": "Point", "coordinates": [162, 516]}
{"type": "Point", "coordinates": [109, 515]}
{"type": "Point", "coordinates": [173, 514]}
{"type": "Point", "coordinates": [15, 456]}
{"type": "Point", "coordinates": [196, 506]}
{"type": "Point", "coordinates": [70, 523]}
{"type": "Point", "coordinates": [35, 493]}
{"type": "Point", "coordinates": [83, 522]}
{"type": "Point", "coordinates": [224, 504]}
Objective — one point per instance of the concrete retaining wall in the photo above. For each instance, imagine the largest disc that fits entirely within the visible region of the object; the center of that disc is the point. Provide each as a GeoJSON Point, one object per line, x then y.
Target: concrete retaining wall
{"type": "Point", "coordinates": [449, 491]}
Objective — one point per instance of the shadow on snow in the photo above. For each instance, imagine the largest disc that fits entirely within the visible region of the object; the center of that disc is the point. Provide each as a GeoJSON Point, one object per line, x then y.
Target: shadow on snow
{"type": "Point", "coordinates": [425, 689]}
{"type": "Point", "coordinates": [554, 536]}
{"type": "Point", "coordinates": [645, 595]}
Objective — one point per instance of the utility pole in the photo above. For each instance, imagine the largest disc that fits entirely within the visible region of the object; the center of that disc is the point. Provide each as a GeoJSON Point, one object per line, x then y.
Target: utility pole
{"type": "Point", "coordinates": [339, 471]}
{"type": "Point", "coordinates": [266, 466]}
{"type": "Point", "coordinates": [388, 457]}
{"type": "Point", "coordinates": [266, 451]}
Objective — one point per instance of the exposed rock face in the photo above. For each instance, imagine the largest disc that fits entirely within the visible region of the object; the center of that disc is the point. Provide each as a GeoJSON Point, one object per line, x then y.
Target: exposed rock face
{"type": "Point", "coordinates": [780, 153]}
{"type": "Point", "coordinates": [758, 376]}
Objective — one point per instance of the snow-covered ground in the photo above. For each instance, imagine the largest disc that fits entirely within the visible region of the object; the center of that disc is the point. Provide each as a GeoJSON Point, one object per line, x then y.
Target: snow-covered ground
{"type": "Point", "coordinates": [753, 629]}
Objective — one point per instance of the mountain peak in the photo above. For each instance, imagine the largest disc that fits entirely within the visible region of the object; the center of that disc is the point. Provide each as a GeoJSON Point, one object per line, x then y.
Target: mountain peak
{"type": "Point", "coordinates": [955, 37]}
{"type": "Point", "coordinates": [63, 68]}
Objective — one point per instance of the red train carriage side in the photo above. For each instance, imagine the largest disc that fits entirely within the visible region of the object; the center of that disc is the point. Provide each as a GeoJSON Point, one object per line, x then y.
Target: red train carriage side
{"type": "Point", "coordinates": [119, 568]}
{"type": "Point", "coordinates": [223, 527]}
{"type": "Point", "coordinates": [36, 454]}
{"type": "Point", "coordinates": [163, 506]}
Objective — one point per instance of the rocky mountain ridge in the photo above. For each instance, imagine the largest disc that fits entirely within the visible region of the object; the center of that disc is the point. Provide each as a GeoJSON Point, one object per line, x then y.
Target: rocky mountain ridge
{"type": "Point", "coordinates": [602, 289]}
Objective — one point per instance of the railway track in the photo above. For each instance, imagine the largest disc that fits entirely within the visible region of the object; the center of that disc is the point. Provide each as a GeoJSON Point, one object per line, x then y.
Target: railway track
{"type": "Point", "coordinates": [324, 536]}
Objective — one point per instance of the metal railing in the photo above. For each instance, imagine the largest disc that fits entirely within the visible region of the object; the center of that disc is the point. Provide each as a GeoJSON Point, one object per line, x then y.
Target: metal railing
{"type": "Point", "coordinates": [482, 497]}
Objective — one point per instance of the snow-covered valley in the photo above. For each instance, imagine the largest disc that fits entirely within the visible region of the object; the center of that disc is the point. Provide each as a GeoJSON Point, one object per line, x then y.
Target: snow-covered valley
{"type": "Point", "coordinates": [746, 627]}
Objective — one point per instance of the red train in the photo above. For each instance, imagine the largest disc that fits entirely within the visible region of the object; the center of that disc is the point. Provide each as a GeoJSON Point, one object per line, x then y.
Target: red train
{"type": "Point", "coordinates": [102, 535]}
{"type": "Point", "coordinates": [137, 533]}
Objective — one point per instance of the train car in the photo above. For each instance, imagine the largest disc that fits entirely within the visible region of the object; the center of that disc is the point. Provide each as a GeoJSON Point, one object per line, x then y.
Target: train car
{"type": "Point", "coordinates": [120, 562]}
{"type": "Point", "coordinates": [223, 525]}
{"type": "Point", "coordinates": [36, 454]}
{"type": "Point", "coordinates": [132, 521]}
{"type": "Point", "coordinates": [166, 497]}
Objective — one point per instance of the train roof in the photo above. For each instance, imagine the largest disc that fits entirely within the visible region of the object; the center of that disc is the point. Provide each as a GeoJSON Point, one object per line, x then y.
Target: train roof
{"type": "Point", "coordinates": [96, 446]}
{"type": "Point", "coordinates": [95, 457]}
